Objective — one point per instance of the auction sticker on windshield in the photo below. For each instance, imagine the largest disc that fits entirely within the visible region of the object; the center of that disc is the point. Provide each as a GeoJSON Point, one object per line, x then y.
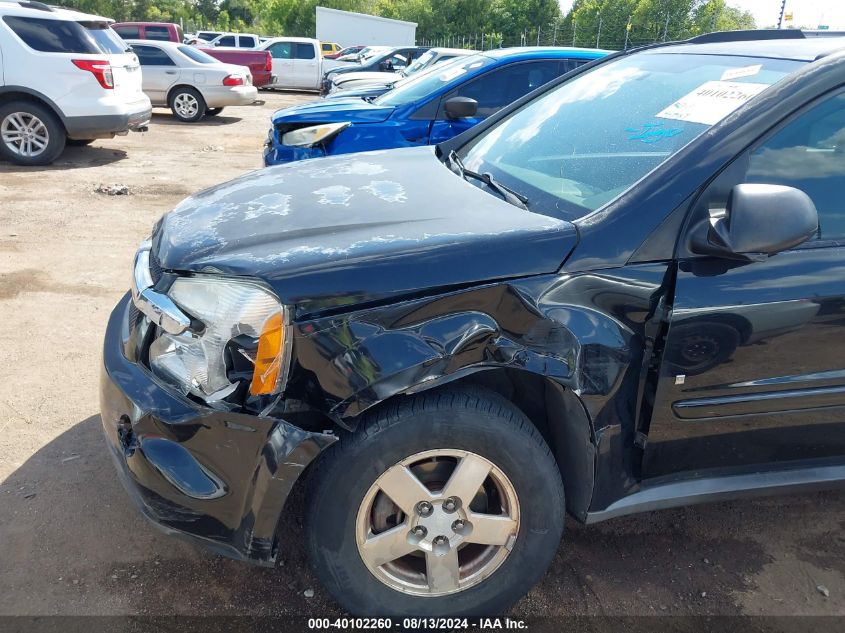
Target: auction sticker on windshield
{"type": "Point", "coordinates": [711, 102]}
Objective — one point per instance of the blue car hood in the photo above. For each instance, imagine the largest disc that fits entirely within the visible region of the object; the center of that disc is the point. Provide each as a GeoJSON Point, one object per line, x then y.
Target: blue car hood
{"type": "Point", "coordinates": [359, 228]}
{"type": "Point", "coordinates": [353, 109]}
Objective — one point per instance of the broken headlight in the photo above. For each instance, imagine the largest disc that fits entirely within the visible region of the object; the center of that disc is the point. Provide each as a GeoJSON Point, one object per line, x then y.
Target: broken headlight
{"type": "Point", "coordinates": [243, 342]}
{"type": "Point", "coordinates": [308, 136]}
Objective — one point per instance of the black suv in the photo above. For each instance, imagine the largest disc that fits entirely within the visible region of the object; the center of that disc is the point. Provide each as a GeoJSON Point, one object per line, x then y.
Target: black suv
{"type": "Point", "coordinates": [625, 292]}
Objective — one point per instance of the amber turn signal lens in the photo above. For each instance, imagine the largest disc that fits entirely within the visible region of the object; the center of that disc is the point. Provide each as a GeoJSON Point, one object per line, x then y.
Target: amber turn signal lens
{"type": "Point", "coordinates": [268, 360]}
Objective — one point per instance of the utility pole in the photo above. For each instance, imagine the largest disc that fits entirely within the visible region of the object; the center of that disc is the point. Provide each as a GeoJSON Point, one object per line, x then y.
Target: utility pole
{"type": "Point", "coordinates": [627, 33]}
{"type": "Point", "coordinates": [538, 35]}
{"type": "Point", "coordinates": [574, 30]}
{"type": "Point", "coordinates": [598, 33]}
{"type": "Point", "coordinates": [780, 19]}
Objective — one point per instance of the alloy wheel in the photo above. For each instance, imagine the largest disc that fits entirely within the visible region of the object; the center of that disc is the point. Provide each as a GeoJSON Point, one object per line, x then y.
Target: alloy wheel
{"type": "Point", "coordinates": [186, 105]}
{"type": "Point", "coordinates": [437, 522]}
{"type": "Point", "coordinates": [24, 134]}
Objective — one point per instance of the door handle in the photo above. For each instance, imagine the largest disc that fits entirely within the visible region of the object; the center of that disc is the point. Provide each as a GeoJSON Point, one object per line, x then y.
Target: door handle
{"type": "Point", "coordinates": [170, 72]}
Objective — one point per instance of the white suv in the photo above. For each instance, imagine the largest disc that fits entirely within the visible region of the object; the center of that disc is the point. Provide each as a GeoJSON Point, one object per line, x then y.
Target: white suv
{"type": "Point", "coordinates": [65, 77]}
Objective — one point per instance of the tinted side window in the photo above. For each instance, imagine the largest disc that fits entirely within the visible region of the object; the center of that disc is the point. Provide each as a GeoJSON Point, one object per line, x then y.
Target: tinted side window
{"type": "Point", "coordinates": [327, 48]}
{"type": "Point", "coordinates": [52, 36]}
{"type": "Point", "coordinates": [128, 32]}
{"type": "Point", "coordinates": [281, 50]}
{"type": "Point", "coordinates": [160, 33]}
{"type": "Point", "coordinates": [106, 39]}
{"type": "Point", "coordinates": [247, 41]}
{"type": "Point", "coordinates": [395, 62]}
{"type": "Point", "coordinates": [502, 86]}
{"type": "Point", "coordinates": [152, 56]}
{"type": "Point", "coordinates": [808, 153]}
{"type": "Point", "coordinates": [570, 64]}
{"type": "Point", "coordinates": [229, 40]}
{"type": "Point", "coordinates": [305, 51]}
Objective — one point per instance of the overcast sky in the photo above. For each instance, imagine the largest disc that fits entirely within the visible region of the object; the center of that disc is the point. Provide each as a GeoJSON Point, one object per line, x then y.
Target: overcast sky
{"type": "Point", "coordinates": [809, 13]}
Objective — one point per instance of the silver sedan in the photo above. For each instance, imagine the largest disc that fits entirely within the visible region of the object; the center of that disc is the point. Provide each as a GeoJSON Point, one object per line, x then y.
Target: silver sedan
{"type": "Point", "coordinates": [189, 82]}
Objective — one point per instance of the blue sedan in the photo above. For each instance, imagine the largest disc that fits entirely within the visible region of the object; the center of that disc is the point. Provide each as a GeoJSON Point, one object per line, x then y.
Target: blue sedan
{"type": "Point", "coordinates": [431, 108]}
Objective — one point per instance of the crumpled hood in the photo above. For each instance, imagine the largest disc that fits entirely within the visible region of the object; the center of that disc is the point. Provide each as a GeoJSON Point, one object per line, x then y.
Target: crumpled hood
{"type": "Point", "coordinates": [353, 109]}
{"type": "Point", "coordinates": [358, 228]}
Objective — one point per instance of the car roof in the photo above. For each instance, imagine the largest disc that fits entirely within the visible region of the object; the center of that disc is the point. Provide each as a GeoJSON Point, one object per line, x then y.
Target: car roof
{"type": "Point", "coordinates": [453, 51]}
{"type": "Point", "coordinates": [159, 43]}
{"type": "Point", "coordinates": [292, 39]}
{"type": "Point", "coordinates": [799, 49]}
{"type": "Point", "coordinates": [225, 33]}
{"type": "Point", "coordinates": [146, 24]}
{"type": "Point", "coordinates": [530, 52]}
{"type": "Point", "coordinates": [40, 10]}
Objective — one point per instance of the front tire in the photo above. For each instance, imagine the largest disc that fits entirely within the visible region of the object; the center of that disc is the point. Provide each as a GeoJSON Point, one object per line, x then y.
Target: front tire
{"type": "Point", "coordinates": [30, 134]}
{"type": "Point", "coordinates": [445, 504]}
{"type": "Point", "coordinates": [187, 104]}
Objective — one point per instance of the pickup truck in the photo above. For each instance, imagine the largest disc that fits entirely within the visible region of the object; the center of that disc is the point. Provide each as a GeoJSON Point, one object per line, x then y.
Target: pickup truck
{"type": "Point", "coordinates": [259, 63]}
{"type": "Point", "coordinates": [297, 62]}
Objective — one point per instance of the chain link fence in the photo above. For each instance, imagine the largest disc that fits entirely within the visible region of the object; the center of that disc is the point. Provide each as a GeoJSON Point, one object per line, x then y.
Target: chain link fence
{"type": "Point", "coordinates": [555, 34]}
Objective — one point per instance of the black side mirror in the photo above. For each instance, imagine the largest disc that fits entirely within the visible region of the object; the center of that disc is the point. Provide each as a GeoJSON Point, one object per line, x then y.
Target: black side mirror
{"type": "Point", "coordinates": [760, 220]}
{"type": "Point", "coordinates": [460, 107]}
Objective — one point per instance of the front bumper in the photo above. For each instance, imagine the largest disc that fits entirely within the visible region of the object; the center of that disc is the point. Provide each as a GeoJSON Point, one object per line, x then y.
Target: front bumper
{"type": "Point", "coordinates": [216, 477]}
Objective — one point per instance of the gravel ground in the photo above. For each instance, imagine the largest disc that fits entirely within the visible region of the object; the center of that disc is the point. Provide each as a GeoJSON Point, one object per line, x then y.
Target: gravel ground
{"type": "Point", "coordinates": [72, 544]}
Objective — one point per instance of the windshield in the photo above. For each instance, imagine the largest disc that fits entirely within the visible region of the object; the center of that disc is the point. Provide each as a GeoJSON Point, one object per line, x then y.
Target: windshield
{"type": "Point", "coordinates": [586, 142]}
{"type": "Point", "coordinates": [420, 62]}
{"type": "Point", "coordinates": [368, 53]}
{"type": "Point", "coordinates": [198, 55]}
{"type": "Point", "coordinates": [440, 75]}
{"type": "Point", "coordinates": [107, 40]}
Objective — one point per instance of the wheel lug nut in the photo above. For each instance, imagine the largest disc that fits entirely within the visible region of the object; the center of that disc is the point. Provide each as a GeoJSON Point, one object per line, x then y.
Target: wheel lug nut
{"type": "Point", "coordinates": [450, 504]}
{"type": "Point", "coordinates": [424, 508]}
{"type": "Point", "coordinates": [440, 540]}
{"type": "Point", "coordinates": [457, 526]}
{"type": "Point", "coordinates": [419, 531]}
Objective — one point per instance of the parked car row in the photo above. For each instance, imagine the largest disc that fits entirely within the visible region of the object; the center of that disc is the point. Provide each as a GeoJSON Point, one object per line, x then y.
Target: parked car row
{"type": "Point", "coordinates": [429, 107]}
{"type": "Point", "coordinates": [259, 62]}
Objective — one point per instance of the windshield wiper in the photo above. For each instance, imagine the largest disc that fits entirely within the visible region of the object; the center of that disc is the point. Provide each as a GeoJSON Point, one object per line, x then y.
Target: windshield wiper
{"type": "Point", "coordinates": [511, 196]}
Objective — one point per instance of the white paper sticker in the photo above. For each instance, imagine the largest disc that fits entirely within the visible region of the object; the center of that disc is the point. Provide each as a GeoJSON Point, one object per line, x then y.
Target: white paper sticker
{"type": "Point", "coordinates": [711, 102]}
{"type": "Point", "coordinates": [745, 71]}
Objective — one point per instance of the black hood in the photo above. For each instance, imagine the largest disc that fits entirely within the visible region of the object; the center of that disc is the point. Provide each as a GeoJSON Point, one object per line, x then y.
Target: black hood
{"type": "Point", "coordinates": [357, 228]}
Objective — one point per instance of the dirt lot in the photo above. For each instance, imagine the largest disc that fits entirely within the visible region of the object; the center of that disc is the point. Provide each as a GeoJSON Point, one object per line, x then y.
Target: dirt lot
{"type": "Point", "coordinates": [71, 543]}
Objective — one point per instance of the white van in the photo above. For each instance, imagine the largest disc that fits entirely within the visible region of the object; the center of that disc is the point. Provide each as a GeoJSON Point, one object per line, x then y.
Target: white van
{"type": "Point", "coordinates": [65, 77]}
{"type": "Point", "coordinates": [297, 62]}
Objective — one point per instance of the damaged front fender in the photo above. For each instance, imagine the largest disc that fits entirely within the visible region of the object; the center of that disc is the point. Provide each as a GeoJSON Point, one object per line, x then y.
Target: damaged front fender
{"type": "Point", "coordinates": [583, 332]}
